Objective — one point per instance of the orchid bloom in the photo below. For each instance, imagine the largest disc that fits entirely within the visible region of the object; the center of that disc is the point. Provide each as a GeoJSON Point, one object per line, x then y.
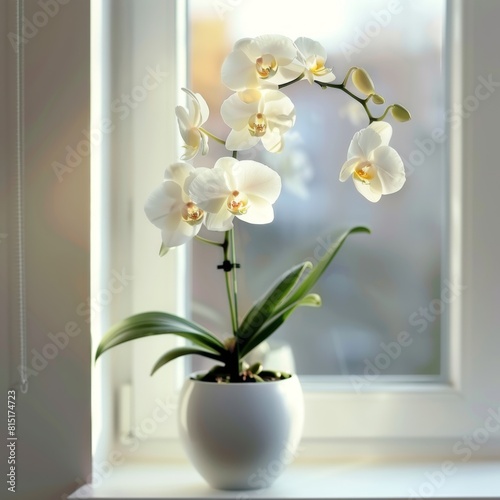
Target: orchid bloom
{"type": "Point", "coordinates": [190, 120]}
{"type": "Point", "coordinates": [170, 209]}
{"type": "Point", "coordinates": [313, 56]}
{"type": "Point", "coordinates": [257, 116]}
{"type": "Point", "coordinates": [264, 61]}
{"type": "Point", "coordinates": [243, 189]}
{"type": "Point", "coordinates": [375, 167]}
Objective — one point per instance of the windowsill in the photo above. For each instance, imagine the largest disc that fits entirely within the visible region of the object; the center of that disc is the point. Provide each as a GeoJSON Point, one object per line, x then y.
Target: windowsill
{"type": "Point", "coordinates": [336, 480]}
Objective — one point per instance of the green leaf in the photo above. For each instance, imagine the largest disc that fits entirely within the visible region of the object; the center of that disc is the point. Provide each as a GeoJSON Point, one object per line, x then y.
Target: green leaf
{"type": "Point", "coordinates": [158, 323]}
{"type": "Point", "coordinates": [183, 351]}
{"type": "Point", "coordinates": [265, 307]}
{"type": "Point", "coordinates": [311, 300]}
{"type": "Point", "coordinates": [321, 266]}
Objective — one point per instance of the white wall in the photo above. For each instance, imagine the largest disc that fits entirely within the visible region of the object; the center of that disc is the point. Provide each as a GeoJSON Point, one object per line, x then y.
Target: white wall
{"type": "Point", "coordinates": [53, 418]}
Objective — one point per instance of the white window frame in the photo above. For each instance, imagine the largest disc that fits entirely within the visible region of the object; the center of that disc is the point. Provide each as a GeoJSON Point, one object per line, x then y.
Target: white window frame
{"type": "Point", "coordinates": [385, 419]}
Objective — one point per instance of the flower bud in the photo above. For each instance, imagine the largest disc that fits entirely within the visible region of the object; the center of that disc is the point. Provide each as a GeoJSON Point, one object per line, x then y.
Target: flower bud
{"type": "Point", "coordinates": [400, 113]}
{"type": "Point", "coordinates": [377, 99]}
{"type": "Point", "coordinates": [362, 81]}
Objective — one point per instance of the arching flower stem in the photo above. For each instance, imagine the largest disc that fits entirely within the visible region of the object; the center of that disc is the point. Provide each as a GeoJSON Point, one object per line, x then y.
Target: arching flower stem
{"type": "Point", "coordinates": [291, 82]}
{"type": "Point", "coordinates": [214, 137]}
{"type": "Point", "coordinates": [210, 242]}
{"type": "Point", "coordinates": [343, 88]}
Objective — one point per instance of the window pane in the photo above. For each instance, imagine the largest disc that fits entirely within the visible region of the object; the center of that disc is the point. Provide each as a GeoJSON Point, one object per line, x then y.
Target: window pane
{"type": "Point", "coordinates": [380, 284]}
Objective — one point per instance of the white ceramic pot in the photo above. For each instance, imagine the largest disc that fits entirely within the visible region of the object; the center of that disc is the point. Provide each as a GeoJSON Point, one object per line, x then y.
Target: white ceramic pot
{"type": "Point", "coordinates": [241, 436]}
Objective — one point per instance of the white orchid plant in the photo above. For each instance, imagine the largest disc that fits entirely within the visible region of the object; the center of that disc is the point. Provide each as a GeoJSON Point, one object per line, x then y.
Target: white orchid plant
{"type": "Point", "coordinates": [256, 70]}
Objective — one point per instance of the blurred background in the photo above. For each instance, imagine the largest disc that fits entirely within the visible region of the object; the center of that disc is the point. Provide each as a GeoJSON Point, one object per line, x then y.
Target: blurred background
{"type": "Point", "coordinates": [379, 285]}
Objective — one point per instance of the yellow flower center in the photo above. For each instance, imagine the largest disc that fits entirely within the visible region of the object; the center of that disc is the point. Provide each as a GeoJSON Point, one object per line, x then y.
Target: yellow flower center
{"type": "Point", "coordinates": [192, 214]}
{"type": "Point", "coordinates": [257, 125]}
{"type": "Point", "coordinates": [266, 66]}
{"type": "Point", "coordinates": [318, 67]}
{"type": "Point", "coordinates": [365, 172]}
{"type": "Point", "coordinates": [237, 203]}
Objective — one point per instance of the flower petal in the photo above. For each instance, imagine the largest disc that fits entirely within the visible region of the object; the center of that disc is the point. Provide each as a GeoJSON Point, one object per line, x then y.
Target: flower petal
{"type": "Point", "coordinates": [384, 129]}
{"type": "Point", "coordinates": [369, 140]}
{"type": "Point", "coordinates": [328, 78]}
{"type": "Point", "coordinates": [260, 211]}
{"type": "Point", "coordinates": [273, 141]}
{"type": "Point", "coordinates": [347, 169]}
{"type": "Point", "coordinates": [193, 108]}
{"type": "Point", "coordinates": [281, 47]}
{"type": "Point", "coordinates": [238, 140]}
{"type": "Point", "coordinates": [363, 143]}
{"type": "Point", "coordinates": [238, 71]}
{"type": "Point", "coordinates": [204, 110]}
{"type": "Point", "coordinates": [208, 188]}
{"type": "Point", "coordinates": [177, 232]}
{"type": "Point", "coordinates": [279, 109]}
{"type": "Point", "coordinates": [249, 47]}
{"type": "Point", "coordinates": [164, 201]}
{"type": "Point", "coordinates": [309, 47]}
{"type": "Point", "coordinates": [235, 112]}
{"type": "Point", "coordinates": [183, 121]}
{"type": "Point", "coordinates": [220, 221]}
{"type": "Point", "coordinates": [390, 169]}
{"type": "Point", "coordinates": [178, 172]}
{"type": "Point", "coordinates": [372, 192]}
{"type": "Point", "coordinates": [256, 179]}
{"type": "Point", "coordinates": [204, 144]}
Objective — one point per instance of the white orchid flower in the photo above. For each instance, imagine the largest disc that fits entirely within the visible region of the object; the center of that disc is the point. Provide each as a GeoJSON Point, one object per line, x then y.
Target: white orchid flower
{"type": "Point", "coordinates": [313, 56]}
{"type": "Point", "coordinates": [264, 61]}
{"type": "Point", "coordinates": [375, 167]}
{"type": "Point", "coordinates": [190, 120]}
{"type": "Point", "coordinates": [243, 189]}
{"type": "Point", "coordinates": [257, 115]}
{"type": "Point", "coordinates": [170, 209]}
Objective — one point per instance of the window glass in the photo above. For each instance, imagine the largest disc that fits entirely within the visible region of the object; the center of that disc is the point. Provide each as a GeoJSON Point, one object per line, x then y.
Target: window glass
{"type": "Point", "coordinates": [382, 284]}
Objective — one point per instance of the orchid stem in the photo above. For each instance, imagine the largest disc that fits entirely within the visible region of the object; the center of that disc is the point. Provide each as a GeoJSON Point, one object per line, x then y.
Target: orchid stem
{"type": "Point", "coordinates": [212, 136]}
{"type": "Point", "coordinates": [210, 242]}
{"type": "Point", "coordinates": [343, 88]}
{"type": "Point", "coordinates": [235, 279]}
{"type": "Point", "coordinates": [291, 82]}
{"type": "Point", "coordinates": [225, 248]}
